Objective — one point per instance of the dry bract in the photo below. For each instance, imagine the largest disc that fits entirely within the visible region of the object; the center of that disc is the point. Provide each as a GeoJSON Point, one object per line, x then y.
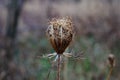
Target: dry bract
{"type": "Point", "coordinates": [60, 33]}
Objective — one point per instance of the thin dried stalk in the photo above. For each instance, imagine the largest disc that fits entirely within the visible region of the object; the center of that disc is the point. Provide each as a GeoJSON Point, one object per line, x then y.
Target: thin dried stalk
{"type": "Point", "coordinates": [110, 73]}
{"type": "Point", "coordinates": [58, 73]}
{"type": "Point", "coordinates": [65, 69]}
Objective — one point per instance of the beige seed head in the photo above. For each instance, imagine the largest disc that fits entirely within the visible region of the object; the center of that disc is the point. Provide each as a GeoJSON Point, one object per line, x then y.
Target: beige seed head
{"type": "Point", "coordinates": [60, 33]}
{"type": "Point", "coordinates": [111, 60]}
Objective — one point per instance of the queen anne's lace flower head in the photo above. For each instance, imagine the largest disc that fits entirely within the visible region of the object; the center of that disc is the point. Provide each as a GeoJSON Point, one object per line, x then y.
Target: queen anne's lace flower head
{"type": "Point", "coordinates": [60, 33]}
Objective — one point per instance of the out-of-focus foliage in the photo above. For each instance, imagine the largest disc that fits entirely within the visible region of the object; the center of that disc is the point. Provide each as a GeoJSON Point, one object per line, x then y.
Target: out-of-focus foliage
{"type": "Point", "coordinates": [97, 27]}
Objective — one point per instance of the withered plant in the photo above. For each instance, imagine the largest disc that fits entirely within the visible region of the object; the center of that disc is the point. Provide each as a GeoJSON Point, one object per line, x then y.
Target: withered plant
{"type": "Point", "coordinates": [60, 34]}
{"type": "Point", "coordinates": [111, 64]}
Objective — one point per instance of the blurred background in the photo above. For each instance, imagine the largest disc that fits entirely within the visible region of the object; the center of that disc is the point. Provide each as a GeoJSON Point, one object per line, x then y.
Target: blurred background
{"type": "Point", "coordinates": [23, 38]}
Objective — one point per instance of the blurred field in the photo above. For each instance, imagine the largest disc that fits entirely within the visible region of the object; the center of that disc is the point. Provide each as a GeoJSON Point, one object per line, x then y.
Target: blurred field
{"type": "Point", "coordinates": [97, 34]}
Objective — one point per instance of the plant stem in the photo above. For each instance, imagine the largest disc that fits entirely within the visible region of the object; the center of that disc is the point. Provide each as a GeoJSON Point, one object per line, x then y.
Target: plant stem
{"type": "Point", "coordinates": [58, 73]}
{"type": "Point", "coordinates": [65, 69]}
{"type": "Point", "coordinates": [109, 74]}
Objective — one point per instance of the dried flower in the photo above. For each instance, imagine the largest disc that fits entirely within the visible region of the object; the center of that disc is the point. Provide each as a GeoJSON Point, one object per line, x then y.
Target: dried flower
{"type": "Point", "coordinates": [60, 33]}
{"type": "Point", "coordinates": [111, 60]}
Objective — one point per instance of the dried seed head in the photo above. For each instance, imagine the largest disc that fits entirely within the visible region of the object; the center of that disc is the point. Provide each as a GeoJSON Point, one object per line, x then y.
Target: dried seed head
{"type": "Point", "coordinates": [60, 33]}
{"type": "Point", "coordinates": [111, 60]}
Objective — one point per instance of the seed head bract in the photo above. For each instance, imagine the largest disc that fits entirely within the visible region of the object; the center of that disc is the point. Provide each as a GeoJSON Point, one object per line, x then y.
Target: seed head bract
{"type": "Point", "coordinates": [60, 33]}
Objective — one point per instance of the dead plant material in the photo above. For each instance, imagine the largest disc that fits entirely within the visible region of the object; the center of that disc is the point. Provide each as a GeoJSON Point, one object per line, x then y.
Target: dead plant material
{"type": "Point", "coordinates": [60, 33]}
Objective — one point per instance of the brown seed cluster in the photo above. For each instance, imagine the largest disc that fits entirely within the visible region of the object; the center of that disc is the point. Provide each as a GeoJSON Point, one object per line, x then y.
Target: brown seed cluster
{"type": "Point", "coordinates": [111, 60]}
{"type": "Point", "coordinates": [60, 33]}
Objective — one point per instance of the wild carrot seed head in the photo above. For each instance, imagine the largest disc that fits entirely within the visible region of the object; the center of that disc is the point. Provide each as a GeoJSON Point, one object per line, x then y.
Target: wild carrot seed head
{"type": "Point", "coordinates": [111, 60]}
{"type": "Point", "coordinates": [60, 33]}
